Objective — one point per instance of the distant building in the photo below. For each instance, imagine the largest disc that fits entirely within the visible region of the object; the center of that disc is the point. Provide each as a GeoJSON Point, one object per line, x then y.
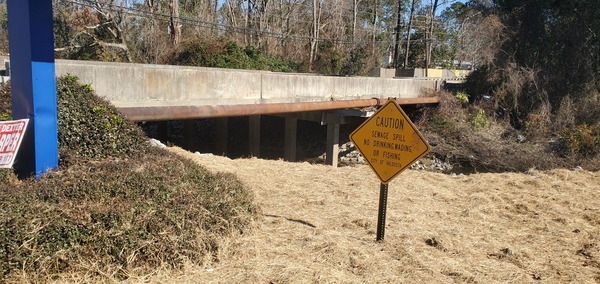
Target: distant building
{"type": "Point", "coordinates": [432, 73]}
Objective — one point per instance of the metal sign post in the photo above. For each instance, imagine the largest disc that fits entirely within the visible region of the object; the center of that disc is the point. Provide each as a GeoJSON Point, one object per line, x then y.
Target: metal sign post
{"type": "Point", "coordinates": [390, 143]}
{"type": "Point", "coordinates": [33, 83]}
{"type": "Point", "coordinates": [383, 191]}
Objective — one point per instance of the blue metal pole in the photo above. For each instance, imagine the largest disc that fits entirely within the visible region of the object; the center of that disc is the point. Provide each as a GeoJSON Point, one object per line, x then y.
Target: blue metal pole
{"type": "Point", "coordinates": [33, 83]}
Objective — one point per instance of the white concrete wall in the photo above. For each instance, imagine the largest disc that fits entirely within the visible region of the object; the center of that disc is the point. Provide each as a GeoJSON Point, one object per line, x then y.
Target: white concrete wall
{"type": "Point", "coordinates": [126, 84]}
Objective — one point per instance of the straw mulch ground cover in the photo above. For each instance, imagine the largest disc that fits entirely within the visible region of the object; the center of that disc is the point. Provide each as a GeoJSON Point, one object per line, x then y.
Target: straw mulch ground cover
{"type": "Point", "coordinates": [318, 225]}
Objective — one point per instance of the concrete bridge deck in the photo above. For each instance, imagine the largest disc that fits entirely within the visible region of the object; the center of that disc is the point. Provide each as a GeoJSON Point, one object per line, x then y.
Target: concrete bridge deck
{"type": "Point", "coordinates": [146, 92]}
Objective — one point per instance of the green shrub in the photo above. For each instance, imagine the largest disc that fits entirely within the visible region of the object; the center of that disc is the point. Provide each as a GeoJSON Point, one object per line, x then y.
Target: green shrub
{"type": "Point", "coordinates": [116, 203]}
{"type": "Point", "coordinates": [7, 175]}
{"type": "Point", "coordinates": [462, 97]}
{"type": "Point", "coordinates": [92, 127]}
{"type": "Point", "coordinates": [537, 125]}
{"type": "Point", "coordinates": [581, 139]}
{"type": "Point", "coordinates": [479, 120]}
{"type": "Point", "coordinates": [124, 214]}
{"type": "Point", "coordinates": [5, 102]}
{"type": "Point", "coordinates": [439, 123]}
{"type": "Point", "coordinates": [357, 62]}
{"type": "Point", "coordinates": [230, 55]}
{"type": "Point", "coordinates": [88, 126]}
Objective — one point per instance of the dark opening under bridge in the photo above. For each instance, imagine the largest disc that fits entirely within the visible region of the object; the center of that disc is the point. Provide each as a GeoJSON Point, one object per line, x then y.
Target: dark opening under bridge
{"type": "Point", "coordinates": [145, 92]}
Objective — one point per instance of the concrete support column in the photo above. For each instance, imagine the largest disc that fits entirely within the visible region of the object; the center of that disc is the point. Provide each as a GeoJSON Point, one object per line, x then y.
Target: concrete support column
{"type": "Point", "coordinates": [291, 130]}
{"type": "Point", "coordinates": [333, 144]}
{"type": "Point", "coordinates": [222, 127]}
{"type": "Point", "coordinates": [334, 120]}
{"type": "Point", "coordinates": [254, 135]}
{"type": "Point", "coordinates": [190, 134]}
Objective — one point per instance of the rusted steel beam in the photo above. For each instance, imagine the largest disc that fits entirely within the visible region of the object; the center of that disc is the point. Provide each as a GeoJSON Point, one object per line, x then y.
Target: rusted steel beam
{"type": "Point", "coordinates": [159, 113]}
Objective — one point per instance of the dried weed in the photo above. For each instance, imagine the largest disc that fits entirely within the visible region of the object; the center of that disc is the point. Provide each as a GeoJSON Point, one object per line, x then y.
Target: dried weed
{"type": "Point", "coordinates": [480, 228]}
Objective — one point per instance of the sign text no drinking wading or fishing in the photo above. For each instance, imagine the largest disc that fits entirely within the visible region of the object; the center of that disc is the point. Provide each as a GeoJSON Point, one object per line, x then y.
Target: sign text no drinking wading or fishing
{"type": "Point", "coordinates": [390, 143]}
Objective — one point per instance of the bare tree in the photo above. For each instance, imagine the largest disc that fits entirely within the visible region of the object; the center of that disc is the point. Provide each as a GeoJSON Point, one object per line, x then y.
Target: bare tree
{"type": "Point", "coordinates": [409, 31]}
{"type": "Point", "coordinates": [316, 22]}
{"type": "Point", "coordinates": [429, 36]}
{"type": "Point", "coordinates": [174, 25]}
{"type": "Point", "coordinates": [397, 33]}
{"type": "Point", "coordinates": [93, 28]}
{"type": "Point", "coordinates": [479, 38]}
{"type": "Point", "coordinates": [354, 17]}
{"type": "Point", "coordinates": [215, 18]}
{"type": "Point", "coordinates": [375, 22]}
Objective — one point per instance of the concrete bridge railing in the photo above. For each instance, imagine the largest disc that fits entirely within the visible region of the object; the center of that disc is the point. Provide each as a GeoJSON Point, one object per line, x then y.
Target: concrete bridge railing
{"type": "Point", "coordinates": [144, 86]}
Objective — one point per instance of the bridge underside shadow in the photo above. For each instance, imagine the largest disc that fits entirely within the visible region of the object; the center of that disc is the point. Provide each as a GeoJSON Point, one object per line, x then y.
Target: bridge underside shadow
{"type": "Point", "coordinates": [288, 137]}
{"type": "Point", "coordinates": [293, 137]}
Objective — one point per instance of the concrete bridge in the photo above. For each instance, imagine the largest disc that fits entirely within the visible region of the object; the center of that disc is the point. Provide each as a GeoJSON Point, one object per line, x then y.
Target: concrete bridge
{"type": "Point", "coordinates": [144, 92]}
{"type": "Point", "coordinates": [162, 92]}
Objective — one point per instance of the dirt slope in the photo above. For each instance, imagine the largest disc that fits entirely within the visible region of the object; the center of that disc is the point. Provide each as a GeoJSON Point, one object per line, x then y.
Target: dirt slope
{"type": "Point", "coordinates": [319, 226]}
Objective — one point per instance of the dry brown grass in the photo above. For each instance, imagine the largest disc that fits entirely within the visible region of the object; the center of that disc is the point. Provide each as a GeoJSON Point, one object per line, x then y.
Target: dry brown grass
{"type": "Point", "coordinates": [319, 226]}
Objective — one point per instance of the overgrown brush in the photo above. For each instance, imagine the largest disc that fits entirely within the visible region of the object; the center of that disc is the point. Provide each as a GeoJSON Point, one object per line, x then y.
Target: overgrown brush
{"type": "Point", "coordinates": [479, 120]}
{"type": "Point", "coordinates": [581, 139]}
{"type": "Point", "coordinates": [90, 127]}
{"type": "Point", "coordinates": [471, 139]}
{"type": "Point", "coordinates": [228, 54]}
{"type": "Point", "coordinates": [122, 206]}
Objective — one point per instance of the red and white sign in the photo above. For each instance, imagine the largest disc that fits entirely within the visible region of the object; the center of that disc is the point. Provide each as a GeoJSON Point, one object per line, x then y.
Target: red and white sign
{"type": "Point", "coordinates": [11, 135]}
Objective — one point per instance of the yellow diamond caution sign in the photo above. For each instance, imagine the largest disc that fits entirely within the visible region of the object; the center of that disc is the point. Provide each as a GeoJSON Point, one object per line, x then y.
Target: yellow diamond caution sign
{"type": "Point", "coordinates": [389, 141]}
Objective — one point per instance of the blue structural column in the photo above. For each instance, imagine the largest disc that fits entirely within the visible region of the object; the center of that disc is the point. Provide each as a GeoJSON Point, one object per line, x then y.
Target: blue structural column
{"type": "Point", "coordinates": [33, 83]}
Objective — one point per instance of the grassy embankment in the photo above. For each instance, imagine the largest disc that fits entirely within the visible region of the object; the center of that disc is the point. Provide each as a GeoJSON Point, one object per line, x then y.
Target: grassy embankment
{"type": "Point", "coordinates": [116, 206]}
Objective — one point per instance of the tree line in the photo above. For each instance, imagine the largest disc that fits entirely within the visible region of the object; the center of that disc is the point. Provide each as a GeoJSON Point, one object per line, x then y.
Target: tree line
{"type": "Point", "coordinates": [543, 69]}
{"type": "Point", "coordinates": [334, 37]}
